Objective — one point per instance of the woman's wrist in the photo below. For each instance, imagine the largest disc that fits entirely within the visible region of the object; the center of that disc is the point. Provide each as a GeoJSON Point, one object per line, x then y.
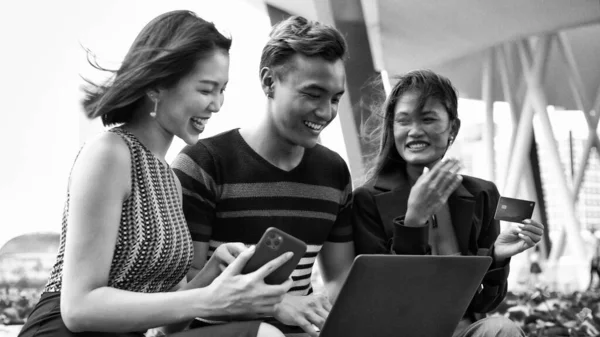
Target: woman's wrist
{"type": "Point", "coordinates": [410, 220]}
{"type": "Point", "coordinates": [499, 260]}
{"type": "Point", "coordinates": [203, 303]}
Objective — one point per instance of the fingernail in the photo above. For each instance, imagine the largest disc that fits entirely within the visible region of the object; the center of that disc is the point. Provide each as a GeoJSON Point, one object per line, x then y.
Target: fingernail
{"type": "Point", "coordinates": [289, 254]}
{"type": "Point", "coordinates": [252, 248]}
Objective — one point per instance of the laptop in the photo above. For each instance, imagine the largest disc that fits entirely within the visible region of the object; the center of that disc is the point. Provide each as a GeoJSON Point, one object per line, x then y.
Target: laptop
{"type": "Point", "coordinates": [405, 295]}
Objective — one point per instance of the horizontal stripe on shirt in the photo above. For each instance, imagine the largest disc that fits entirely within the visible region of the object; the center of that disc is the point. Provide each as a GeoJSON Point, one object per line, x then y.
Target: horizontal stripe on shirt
{"type": "Point", "coordinates": [280, 189]}
{"type": "Point", "coordinates": [279, 212]}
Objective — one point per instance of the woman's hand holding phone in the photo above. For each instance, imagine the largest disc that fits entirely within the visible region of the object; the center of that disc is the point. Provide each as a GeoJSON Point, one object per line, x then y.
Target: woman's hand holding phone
{"type": "Point", "coordinates": [237, 294]}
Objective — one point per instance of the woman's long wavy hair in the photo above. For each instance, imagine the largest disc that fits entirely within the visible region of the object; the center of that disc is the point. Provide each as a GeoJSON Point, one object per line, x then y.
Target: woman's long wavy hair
{"type": "Point", "coordinates": [166, 50]}
{"type": "Point", "coordinates": [378, 129]}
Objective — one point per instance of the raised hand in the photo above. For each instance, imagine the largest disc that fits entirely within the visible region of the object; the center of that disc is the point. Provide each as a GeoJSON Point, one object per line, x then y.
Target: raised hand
{"type": "Point", "coordinates": [304, 311]}
{"type": "Point", "coordinates": [431, 191]}
{"type": "Point", "coordinates": [248, 295]}
{"type": "Point", "coordinates": [518, 238]}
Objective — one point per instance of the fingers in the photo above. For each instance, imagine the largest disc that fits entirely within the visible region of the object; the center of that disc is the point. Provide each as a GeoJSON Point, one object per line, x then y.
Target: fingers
{"type": "Point", "coordinates": [307, 327]}
{"type": "Point", "coordinates": [534, 226]}
{"type": "Point", "coordinates": [531, 229]}
{"type": "Point", "coordinates": [452, 184]}
{"type": "Point", "coordinates": [270, 266]}
{"type": "Point", "coordinates": [326, 303]}
{"type": "Point", "coordinates": [444, 176]}
{"type": "Point", "coordinates": [444, 166]}
{"type": "Point", "coordinates": [322, 301]}
{"type": "Point", "coordinates": [528, 237]}
{"type": "Point", "coordinates": [227, 252]}
{"type": "Point", "coordinates": [528, 240]}
{"type": "Point", "coordinates": [512, 229]}
{"type": "Point", "coordinates": [455, 165]}
{"type": "Point", "coordinates": [273, 294]}
{"type": "Point", "coordinates": [236, 248]}
{"type": "Point", "coordinates": [274, 291]}
{"type": "Point", "coordinates": [285, 286]}
{"type": "Point", "coordinates": [316, 318]}
{"type": "Point", "coordinates": [238, 264]}
{"type": "Point", "coordinates": [319, 307]}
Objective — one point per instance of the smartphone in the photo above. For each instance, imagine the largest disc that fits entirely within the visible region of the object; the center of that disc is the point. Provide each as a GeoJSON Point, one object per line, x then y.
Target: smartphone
{"type": "Point", "coordinates": [274, 243]}
{"type": "Point", "coordinates": [514, 210]}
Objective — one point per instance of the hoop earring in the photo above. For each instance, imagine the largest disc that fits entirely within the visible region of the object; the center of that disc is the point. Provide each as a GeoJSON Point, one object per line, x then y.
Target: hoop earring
{"type": "Point", "coordinates": [153, 113]}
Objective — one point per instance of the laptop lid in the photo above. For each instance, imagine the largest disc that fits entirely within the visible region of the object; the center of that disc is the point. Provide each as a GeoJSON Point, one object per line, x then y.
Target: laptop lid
{"type": "Point", "coordinates": [405, 295]}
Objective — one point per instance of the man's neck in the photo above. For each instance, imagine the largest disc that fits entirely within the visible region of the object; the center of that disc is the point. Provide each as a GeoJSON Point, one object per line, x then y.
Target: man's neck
{"type": "Point", "coordinates": [264, 140]}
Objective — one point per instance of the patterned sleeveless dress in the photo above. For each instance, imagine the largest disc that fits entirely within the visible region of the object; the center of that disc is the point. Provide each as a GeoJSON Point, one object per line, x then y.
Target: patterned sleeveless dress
{"type": "Point", "coordinates": [154, 248]}
{"type": "Point", "coordinates": [153, 252]}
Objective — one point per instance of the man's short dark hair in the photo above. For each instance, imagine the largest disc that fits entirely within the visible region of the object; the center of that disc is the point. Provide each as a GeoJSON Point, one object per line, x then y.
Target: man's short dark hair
{"type": "Point", "coordinates": [297, 35]}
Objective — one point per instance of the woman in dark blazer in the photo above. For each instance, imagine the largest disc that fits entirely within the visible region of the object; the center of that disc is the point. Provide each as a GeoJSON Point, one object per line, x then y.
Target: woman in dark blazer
{"type": "Point", "coordinates": [414, 202]}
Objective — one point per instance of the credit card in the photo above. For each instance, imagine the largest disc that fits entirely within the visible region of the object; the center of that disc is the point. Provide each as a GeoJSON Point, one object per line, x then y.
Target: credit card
{"type": "Point", "coordinates": [514, 210]}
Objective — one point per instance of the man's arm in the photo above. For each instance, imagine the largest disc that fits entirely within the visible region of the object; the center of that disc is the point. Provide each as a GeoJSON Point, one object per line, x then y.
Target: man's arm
{"type": "Point", "coordinates": [335, 260]}
{"type": "Point", "coordinates": [200, 257]}
{"type": "Point", "coordinates": [337, 253]}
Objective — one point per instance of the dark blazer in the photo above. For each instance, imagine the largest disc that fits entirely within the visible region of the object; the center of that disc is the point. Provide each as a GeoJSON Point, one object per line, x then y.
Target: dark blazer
{"type": "Point", "coordinates": [381, 202]}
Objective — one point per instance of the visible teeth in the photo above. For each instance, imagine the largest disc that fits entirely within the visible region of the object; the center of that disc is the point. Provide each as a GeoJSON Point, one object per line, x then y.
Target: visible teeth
{"type": "Point", "coordinates": [314, 126]}
{"type": "Point", "coordinates": [417, 145]}
{"type": "Point", "coordinates": [200, 120]}
{"type": "Point", "coordinates": [199, 123]}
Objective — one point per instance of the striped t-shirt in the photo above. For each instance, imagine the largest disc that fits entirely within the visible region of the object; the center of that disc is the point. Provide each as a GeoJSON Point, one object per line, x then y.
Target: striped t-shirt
{"type": "Point", "coordinates": [232, 194]}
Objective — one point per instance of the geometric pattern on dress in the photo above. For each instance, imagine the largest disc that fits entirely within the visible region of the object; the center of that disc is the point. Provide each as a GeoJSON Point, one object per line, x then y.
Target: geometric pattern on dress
{"type": "Point", "coordinates": [154, 249]}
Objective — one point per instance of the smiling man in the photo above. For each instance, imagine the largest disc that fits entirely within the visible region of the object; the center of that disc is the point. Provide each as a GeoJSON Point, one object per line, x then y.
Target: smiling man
{"type": "Point", "coordinates": [275, 174]}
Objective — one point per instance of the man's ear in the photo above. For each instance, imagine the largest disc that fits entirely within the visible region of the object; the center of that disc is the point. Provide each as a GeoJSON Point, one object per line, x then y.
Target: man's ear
{"type": "Point", "coordinates": [267, 80]}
